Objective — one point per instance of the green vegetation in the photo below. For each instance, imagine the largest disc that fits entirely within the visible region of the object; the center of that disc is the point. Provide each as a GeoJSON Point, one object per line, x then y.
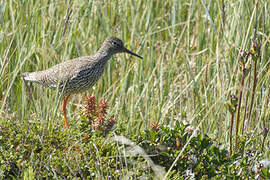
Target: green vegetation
{"type": "Point", "coordinates": [197, 105]}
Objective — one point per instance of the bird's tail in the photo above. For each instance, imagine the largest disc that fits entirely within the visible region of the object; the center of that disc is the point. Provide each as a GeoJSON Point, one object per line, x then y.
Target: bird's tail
{"type": "Point", "coordinates": [29, 77]}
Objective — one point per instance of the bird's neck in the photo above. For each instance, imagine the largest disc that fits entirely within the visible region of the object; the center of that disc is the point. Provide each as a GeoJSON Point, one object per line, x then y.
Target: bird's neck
{"type": "Point", "coordinates": [103, 54]}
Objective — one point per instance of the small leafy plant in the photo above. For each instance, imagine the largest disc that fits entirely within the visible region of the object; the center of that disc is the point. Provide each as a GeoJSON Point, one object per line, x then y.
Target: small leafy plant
{"type": "Point", "coordinates": [88, 151]}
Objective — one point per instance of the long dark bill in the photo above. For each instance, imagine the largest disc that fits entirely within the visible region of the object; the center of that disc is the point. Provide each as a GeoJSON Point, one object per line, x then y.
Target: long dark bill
{"type": "Point", "coordinates": [132, 53]}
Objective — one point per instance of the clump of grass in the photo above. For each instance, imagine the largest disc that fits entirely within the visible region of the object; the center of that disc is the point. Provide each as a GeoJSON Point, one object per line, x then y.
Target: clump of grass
{"type": "Point", "coordinates": [245, 62]}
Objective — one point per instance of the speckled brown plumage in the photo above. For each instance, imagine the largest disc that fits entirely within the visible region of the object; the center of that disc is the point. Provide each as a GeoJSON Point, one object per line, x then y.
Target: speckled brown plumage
{"type": "Point", "coordinates": [78, 74]}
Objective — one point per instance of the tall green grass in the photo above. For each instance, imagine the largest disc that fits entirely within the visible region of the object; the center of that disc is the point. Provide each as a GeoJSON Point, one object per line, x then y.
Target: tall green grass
{"type": "Point", "coordinates": [190, 60]}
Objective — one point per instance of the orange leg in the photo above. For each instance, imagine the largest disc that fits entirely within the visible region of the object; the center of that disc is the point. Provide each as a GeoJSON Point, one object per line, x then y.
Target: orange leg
{"type": "Point", "coordinates": [64, 103]}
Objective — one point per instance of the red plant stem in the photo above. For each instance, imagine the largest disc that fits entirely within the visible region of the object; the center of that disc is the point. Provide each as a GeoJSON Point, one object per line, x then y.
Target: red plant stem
{"type": "Point", "coordinates": [239, 106]}
{"type": "Point", "coordinates": [254, 88]}
{"type": "Point", "coordinates": [246, 104]}
{"type": "Point", "coordinates": [231, 130]}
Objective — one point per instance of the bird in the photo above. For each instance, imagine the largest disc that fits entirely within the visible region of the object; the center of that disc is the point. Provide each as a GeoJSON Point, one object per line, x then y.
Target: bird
{"type": "Point", "coordinates": [79, 74]}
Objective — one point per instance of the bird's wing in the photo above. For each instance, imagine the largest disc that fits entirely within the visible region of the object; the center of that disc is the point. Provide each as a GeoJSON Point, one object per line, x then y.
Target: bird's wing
{"type": "Point", "coordinates": [61, 73]}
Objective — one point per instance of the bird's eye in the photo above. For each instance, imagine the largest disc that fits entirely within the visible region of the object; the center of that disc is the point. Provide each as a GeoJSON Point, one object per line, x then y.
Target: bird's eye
{"type": "Point", "coordinates": [115, 43]}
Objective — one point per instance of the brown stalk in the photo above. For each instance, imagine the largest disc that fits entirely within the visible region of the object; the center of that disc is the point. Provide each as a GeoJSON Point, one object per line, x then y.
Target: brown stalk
{"type": "Point", "coordinates": [231, 131]}
{"type": "Point", "coordinates": [253, 89]}
{"type": "Point", "coordinates": [239, 105]}
{"type": "Point", "coordinates": [246, 105]}
{"type": "Point", "coordinates": [232, 109]}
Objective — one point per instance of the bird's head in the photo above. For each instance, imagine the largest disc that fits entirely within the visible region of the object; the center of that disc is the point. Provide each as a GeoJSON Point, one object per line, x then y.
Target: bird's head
{"type": "Point", "coordinates": [115, 45]}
